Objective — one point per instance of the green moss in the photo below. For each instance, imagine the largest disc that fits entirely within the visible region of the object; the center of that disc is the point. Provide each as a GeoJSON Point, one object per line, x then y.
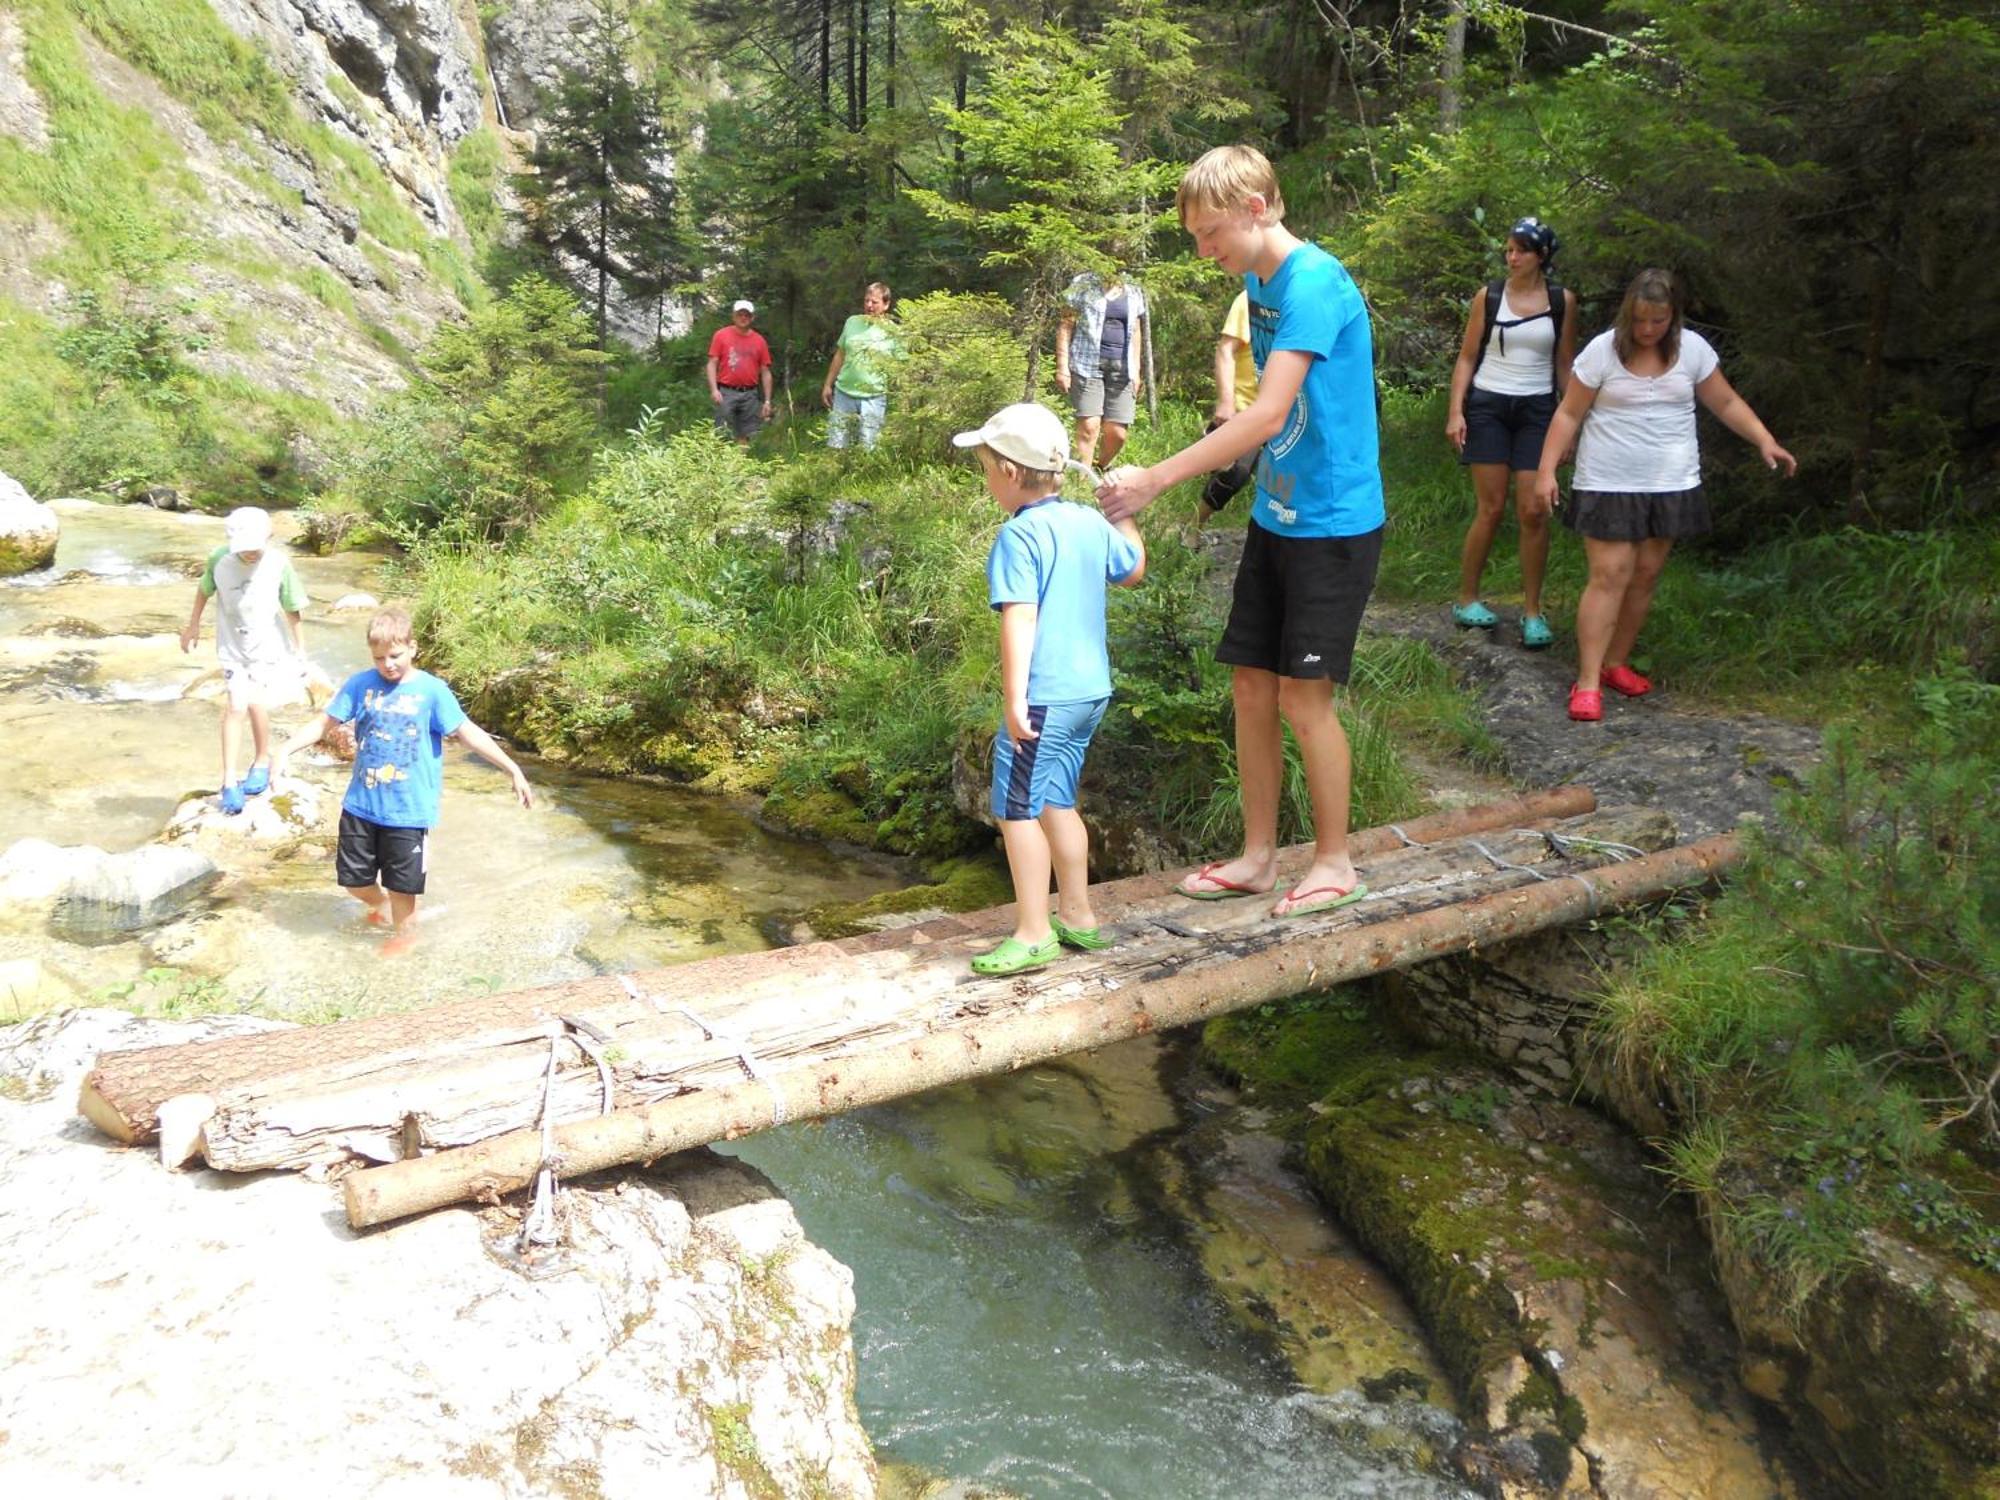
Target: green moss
{"type": "Point", "coordinates": [973, 883]}
{"type": "Point", "coordinates": [821, 813]}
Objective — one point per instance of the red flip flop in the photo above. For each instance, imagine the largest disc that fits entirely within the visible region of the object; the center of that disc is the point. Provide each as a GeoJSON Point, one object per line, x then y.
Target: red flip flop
{"type": "Point", "coordinates": [1225, 890]}
{"type": "Point", "coordinates": [1321, 898]}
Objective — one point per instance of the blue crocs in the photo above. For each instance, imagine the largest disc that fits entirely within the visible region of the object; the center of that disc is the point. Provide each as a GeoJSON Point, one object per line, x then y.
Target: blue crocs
{"type": "Point", "coordinates": [1473, 616]}
{"type": "Point", "coordinates": [1535, 633]}
{"type": "Point", "coordinates": [232, 797]}
{"type": "Point", "coordinates": [257, 782]}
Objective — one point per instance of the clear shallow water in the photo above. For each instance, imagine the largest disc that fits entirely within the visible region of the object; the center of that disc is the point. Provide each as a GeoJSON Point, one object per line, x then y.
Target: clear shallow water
{"type": "Point", "coordinates": [1029, 1315]}
{"type": "Point", "coordinates": [1029, 1318]}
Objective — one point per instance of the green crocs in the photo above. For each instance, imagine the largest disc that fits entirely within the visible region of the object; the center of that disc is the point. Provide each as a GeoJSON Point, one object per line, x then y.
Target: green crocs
{"type": "Point", "coordinates": [1535, 633]}
{"type": "Point", "coordinates": [1473, 616]}
{"type": "Point", "coordinates": [1016, 957]}
{"type": "Point", "coordinates": [1090, 939]}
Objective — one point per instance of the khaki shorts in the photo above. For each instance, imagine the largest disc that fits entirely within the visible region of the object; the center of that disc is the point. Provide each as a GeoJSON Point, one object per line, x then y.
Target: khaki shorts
{"type": "Point", "coordinates": [1090, 398]}
{"type": "Point", "coordinates": [262, 684]}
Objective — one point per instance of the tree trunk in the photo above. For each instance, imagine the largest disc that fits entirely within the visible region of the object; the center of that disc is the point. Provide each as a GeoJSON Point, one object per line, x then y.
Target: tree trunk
{"type": "Point", "coordinates": [124, 1094]}
{"type": "Point", "coordinates": [853, 99]}
{"type": "Point", "coordinates": [861, 118]}
{"type": "Point", "coordinates": [1333, 952]}
{"type": "Point", "coordinates": [1451, 69]}
{"type": "Point", "coordinates": [826, 57]}
{"type": "Point", "coordinates": [889, 79]}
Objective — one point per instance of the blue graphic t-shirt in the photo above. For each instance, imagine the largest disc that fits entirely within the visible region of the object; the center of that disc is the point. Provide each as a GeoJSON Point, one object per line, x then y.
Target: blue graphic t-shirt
{"type": "Point", "coordinates": [399, 730]}
{"type": "Point", "coordinates": [1322, 474]}
{"type": "Point", "coordinates": [1060, 556]}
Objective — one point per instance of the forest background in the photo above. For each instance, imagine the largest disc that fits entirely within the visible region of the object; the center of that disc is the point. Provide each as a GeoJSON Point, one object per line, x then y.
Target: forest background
{"type": "Point", "coordinates": [607, 581]}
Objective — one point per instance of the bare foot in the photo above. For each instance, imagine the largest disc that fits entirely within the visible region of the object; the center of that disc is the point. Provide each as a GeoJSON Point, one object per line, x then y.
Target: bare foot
{"type": "Point", "coordinates": [374, 916]}
{"type": "Point", "coordinates": [401, 942]}
{"type": "Point", "coordinates": [1321, 885]}
{"type": "Point", "coordinates": [1235, 877]}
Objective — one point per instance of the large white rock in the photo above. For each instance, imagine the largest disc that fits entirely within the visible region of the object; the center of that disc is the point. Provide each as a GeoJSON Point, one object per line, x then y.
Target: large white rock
{"type": "Point", "coordinates": [131, 890]}
{"type": "Point", "coordinates": [28, 530]}
{"type": "Point", "coordinates": [187, 1334]}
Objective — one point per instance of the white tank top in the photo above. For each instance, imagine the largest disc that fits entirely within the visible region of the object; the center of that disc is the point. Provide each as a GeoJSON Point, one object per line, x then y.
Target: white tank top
{"type": "Point", "coordinates": [1520, 360]}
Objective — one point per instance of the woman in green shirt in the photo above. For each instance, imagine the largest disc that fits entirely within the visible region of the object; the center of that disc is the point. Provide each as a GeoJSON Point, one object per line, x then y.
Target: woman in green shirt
{"type": "Point", "coordinates": [857, 382]}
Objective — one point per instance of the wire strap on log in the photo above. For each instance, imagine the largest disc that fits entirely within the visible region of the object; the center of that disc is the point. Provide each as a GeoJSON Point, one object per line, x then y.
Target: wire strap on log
{"type": "Point", "coordinates": [745, 1054]}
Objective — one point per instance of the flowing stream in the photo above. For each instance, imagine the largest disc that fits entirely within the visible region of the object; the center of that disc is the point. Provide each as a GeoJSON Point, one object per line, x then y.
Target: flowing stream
{"type": "Point", "coordinates": [1080, 1280]}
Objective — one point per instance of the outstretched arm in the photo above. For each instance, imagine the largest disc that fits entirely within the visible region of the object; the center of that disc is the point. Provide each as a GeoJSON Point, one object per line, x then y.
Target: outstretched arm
{"type": "Point", "coordinates": [1132, 490]}
{"type": "Point", "coordinates": [1720, 397]}
{"type": "Point", "coordinates": [308, 733]}
{"type": "Point", "coordinates": [482, 744]}
{"type": "Point", "coordinates": [1562, 432]}
{"type": "Point", "coordinates": [192, 632]}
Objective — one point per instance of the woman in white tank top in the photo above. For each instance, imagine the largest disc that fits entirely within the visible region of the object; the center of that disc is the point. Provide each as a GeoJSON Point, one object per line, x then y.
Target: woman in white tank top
{"type": "Point", "coordinates": [1520, 336]}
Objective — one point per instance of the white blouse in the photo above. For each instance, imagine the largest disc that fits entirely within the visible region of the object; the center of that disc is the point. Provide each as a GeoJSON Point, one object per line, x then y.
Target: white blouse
{"type": "Point", "coordinates": [1639, 434]}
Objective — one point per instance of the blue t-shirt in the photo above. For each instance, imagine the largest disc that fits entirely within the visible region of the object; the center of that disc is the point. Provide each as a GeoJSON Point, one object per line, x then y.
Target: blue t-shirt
{"type": "Point", "coordinates": [399, 730]}
{"type": "Point", "coordinates": [1059, 556]}
{"type": "Point", "coordinates": [1322, 474]}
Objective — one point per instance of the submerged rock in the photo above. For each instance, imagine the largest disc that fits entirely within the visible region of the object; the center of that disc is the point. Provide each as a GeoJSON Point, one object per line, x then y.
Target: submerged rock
{"type": "Point", "coordinates": [88, 893]}
{"type": "Point", "coordinates": [28, 530]}
{"type": "Point", "coordinates": [688, 1341]}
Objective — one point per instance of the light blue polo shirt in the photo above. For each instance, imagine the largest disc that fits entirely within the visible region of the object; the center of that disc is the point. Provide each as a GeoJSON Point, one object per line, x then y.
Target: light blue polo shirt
{"type": "Point", "coordinates": [1060, 557]}
{"type": "Point", "coordinates": [1321, 475]}
{"type": "Point", "coordinates": [399, 733]}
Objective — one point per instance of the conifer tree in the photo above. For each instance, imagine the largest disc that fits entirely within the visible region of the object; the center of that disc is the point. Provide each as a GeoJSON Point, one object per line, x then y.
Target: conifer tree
{"type": "Point", "coordinates": [601, 189]}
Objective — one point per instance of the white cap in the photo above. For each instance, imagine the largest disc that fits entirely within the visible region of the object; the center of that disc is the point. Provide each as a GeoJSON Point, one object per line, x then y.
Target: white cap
{"type": "Point", "coordinates": [1027, 432]}
{"type": "Point", "coordinates": [247, 529]}
{"type": "Point", "coordinates": [744, 304]}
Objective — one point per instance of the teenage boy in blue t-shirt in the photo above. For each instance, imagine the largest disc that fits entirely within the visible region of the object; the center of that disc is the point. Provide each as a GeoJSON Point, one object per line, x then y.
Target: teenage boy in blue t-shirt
{"type": "Point", "coordinates": [402, 716]}
{"type": "Point", "coordinates": [1316, 532]}
{"type": "Point", "coordinates": [1046, 575]}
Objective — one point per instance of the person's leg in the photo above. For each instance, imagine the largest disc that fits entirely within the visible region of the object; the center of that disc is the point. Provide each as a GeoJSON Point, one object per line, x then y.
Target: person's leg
{"type": "Point", "coordinates": [1650, 556]}
{"type": "Point", "coordinates": [1611, 567]}
{"type": "Point", "coordinates": [1533, 516]}
{"type": "Point", "coordinates": [405, 868]}
{"type": "Point", "coordinates": [873, 409]}
{"type": "Point", "coordinates": [1069, 851]}
{"type": "Point", "coordinates": [1114, 441]}
{"type": "Point", "coordinates": [1307, 705]}
{"type": "Point", "coordinates": [1028, 861]}
{"type": "Point", "coordinates": [260, 735]}
{"type": "Point", "coordinates": [840, 419]}
{"type": "Point", "coordinates": [232, 743]}
{"type": "Point", "coordinates": [402, 922]}
{"type": "Point", "coordinates": [1260, 769]}
{"type": "Point", "coordinates": [1086, 438]}
{"type": "Point", "coordinates": [1489, 501]}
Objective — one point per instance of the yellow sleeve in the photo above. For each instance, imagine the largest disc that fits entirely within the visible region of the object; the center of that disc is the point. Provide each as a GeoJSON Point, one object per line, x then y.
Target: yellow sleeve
{"type": "Point", "coordinates": [1237, 324]}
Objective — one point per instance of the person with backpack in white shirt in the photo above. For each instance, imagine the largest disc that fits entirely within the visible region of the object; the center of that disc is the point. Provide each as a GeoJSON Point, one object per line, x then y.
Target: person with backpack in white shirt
{"type": "Point", "coordinates": [1636, 489]}
{"type": "Point", "coordinates": [1520, 337]}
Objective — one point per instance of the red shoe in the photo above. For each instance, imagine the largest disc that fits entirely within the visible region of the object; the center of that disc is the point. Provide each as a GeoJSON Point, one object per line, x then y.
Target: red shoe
{"type": "Point", "coordinates": [1585, 704]}
{"type": "Point", "coordinates": [1622, 679]}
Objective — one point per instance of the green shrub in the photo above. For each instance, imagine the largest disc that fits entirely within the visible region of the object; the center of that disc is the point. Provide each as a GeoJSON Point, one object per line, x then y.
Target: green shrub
{"type": "Point", "coordinates": [963, 361]}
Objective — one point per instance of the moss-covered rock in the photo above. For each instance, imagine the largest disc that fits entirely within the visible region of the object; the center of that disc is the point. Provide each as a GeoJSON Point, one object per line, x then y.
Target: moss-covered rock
{"type": "Point", "coordinates": [1572, 1311]}
{"type": "Point", "coordinates": [972, 883]}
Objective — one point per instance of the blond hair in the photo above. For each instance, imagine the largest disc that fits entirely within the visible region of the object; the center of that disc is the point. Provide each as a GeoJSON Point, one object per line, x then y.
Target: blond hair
{"type": "Point", "coordinates": [1224, 179]}
{"type": "Point", "coordinates": [390, 627]}
{"type": "Point", "coordinates": [1654, 288]}
{"type": "Point", "coordinates": [1023, 475]}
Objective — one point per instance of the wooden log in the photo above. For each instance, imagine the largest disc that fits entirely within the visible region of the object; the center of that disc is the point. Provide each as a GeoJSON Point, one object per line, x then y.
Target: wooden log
{"type": "Point", "coordinates": [452, 1095]}
{"type": "Point", "coordinates": [977, 1048]}
{"type": "Point", "coordinates": [122, 1095]}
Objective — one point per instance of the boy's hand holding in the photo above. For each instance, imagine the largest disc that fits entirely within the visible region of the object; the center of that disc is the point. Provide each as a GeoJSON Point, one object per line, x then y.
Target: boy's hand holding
{"type": "Point", "coordinates": [1019, 730]}
{"type": "Point", "coordinates": [1126, 491]}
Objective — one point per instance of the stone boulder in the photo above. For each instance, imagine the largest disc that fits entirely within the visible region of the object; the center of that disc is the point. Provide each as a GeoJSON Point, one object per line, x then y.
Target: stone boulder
{"type": "Point", "coordinates": [191, 1334]}
{"type": "Point", "coordinates": [90, 894]}
{"type": "Point", "coordinates": [290, 809]}
{"type": "Point", "coordinates": [28, 530]}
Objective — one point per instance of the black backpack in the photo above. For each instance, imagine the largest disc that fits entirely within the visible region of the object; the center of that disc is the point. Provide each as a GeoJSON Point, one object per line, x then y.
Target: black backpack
{"type": "Point", "coordinates": [1554, 315]}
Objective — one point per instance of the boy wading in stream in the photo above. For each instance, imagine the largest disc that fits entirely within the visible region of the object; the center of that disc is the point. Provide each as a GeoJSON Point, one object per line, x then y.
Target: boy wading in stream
{"type": "Point", "coordinates": [258, 600]}
{"type": "Point", "coordinates": [1046, 575]}
{"type": "Point", "coordinates": [402, 716]}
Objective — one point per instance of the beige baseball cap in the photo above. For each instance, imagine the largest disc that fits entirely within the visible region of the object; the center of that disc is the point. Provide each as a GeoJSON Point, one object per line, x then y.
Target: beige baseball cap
{"type": "Point", "coordinates": [1027, 432]}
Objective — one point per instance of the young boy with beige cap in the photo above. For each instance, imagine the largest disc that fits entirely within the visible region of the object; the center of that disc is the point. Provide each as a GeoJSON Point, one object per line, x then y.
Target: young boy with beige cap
{"type": "Point", "coordinates": [258, 640]}
{"type": "Point", "coordinates": [1046, 575]}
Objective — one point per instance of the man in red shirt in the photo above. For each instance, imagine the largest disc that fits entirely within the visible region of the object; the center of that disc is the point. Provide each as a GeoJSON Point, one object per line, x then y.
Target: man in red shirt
{"type": "Point", "coordinates": [739, 375]}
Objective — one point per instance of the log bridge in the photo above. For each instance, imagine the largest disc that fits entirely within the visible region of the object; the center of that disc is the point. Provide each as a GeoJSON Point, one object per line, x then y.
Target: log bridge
{"type": "Point", "coordinates": [470, 1100]}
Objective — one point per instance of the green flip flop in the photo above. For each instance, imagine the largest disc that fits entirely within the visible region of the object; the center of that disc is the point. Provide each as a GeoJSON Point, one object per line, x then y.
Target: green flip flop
{"type": "Point", "coordinates": [1090, 939]}
{"type": "Point", "coordinates": [1016, 957]}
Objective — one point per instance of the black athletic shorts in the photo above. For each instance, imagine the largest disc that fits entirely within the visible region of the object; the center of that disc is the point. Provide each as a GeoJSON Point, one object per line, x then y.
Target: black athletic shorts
{"type": "Point", "coordinates": [1506, 429]}
{"type": "Point", "coordinates": [368, 851]}
{"type": "Point", "coordinates": [1298, 602]}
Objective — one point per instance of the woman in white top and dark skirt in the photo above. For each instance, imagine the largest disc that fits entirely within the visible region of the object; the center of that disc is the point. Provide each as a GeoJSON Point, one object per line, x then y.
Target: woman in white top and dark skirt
{"type": "Point", "coordinates": [1637, 485]}
{"type": "Point", "coordinates": [1512, 366]}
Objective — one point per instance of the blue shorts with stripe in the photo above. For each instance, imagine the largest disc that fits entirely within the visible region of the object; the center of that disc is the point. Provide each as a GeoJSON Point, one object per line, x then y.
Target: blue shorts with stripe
{"type": "Point", "coordinates": [1043, 772]}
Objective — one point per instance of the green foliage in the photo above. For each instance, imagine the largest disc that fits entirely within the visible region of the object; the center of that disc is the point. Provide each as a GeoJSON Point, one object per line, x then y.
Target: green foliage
{"type": "Point", "coordinates": [962, 362]}
{"type": "Point", "coordinates": [474, 179]}
{"type": "Point", "coordinates": [1837, 1021]}
{"type": "Point", "coordinates": [500, 425]}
